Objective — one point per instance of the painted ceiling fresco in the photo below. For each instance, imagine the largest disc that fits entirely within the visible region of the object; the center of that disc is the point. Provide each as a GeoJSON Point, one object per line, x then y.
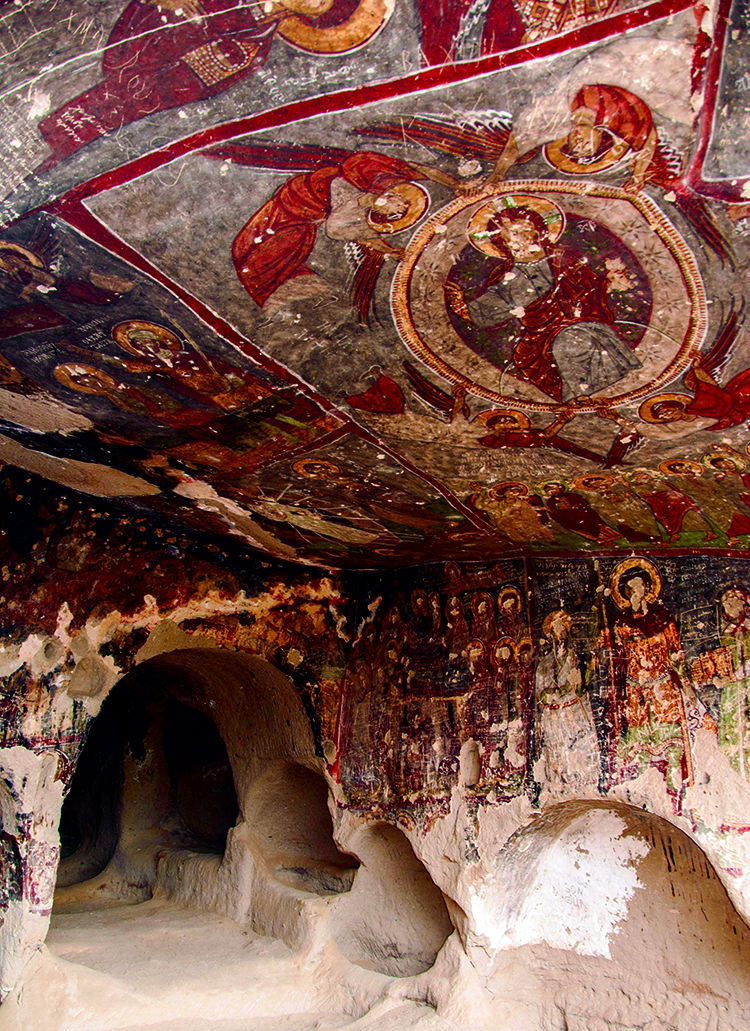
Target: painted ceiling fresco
{"type": "Point", "coordinates": [376, 282]}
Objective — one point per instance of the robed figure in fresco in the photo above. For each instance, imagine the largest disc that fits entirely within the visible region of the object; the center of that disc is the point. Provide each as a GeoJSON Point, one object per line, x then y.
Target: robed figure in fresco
{"type": "Point", "coordinates": [567, 742]}
{"type": "Point", "coordinates": [465, 29]}
{"type": "Point", "coordinates": [610, 127]}
{"type": "Point", "coordinates": [364, 197]}
{"type": "Point", "coordinates": [165, 53]}
{"type": "Point", "coordinates": [726, 405]}
{"type": "Point", "coordinates": [522, 298]}
{"type": "Point", "coordinates": [734, 703]}
{"type": "Point", "coordinates": [649, 708]}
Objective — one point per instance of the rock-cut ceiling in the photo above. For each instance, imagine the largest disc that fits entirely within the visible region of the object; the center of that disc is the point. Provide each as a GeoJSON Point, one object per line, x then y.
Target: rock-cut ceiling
{"type": "Point", "coordinates": [374, 282]}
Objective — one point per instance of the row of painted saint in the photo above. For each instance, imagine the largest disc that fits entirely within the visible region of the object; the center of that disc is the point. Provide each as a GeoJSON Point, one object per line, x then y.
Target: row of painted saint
{"type": "Point", "coordinates": [162, 54]}
{"type": "Point", "coordinates": [684, 501]}
{"type": "Point", "coordinates": [576, 711]}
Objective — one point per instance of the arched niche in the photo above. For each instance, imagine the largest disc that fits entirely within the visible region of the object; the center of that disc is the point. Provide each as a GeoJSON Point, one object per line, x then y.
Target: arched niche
{"type": "Point", "coordinates": [197, 757]}
{"type": "Point", "coordinates": [605, 895]}
{"type": "Point", "coordinates": [398, 919]}
{"type": "Point", "coordinates": [287, 808]}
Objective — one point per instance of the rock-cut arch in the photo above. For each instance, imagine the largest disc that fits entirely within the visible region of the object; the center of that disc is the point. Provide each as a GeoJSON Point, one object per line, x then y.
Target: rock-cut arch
{"type": "Point", "coordinates": [610, 896]}
{"type": "Point", "coordinates": [200, 775]}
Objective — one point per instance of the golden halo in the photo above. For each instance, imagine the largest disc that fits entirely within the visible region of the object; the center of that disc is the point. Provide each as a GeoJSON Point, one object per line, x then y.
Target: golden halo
{"type": "Point", "coordinates": [602, 479]}
{"type": "Point", "coordinates": [416, 197]}
{"type": "Point", "coordinates": [509, 483]}
{"type": "Point", "coordinates": [502, 642]}
{"type": "Point", "coordinates": [624, 567]}
{"type": "Point", "coordinates": [481, 238]}
{"type": "Point", "coordinates": [362, 25]}
{"type": "Point", "coordinates": [694, 467]}
{"type": "Point", "coordinates": [32, 258]}
{"type": "Point", "coordinates": [525, 642]}
{"type": "Point", "coordinates": [509, 592]}
{"type": "Point", "coordinates": [559, 158]}
{"type": "Point", "coordinates": [122, 331]}
{"type": "Point", "coordinates": [308, 466]}
{"type": "Point", "coordinates": [549, 618]}
{"type": "Point", "coordinates": [417, 313]}
{"type": "Point", "coordinates": [64, 374]}
{"type": "Point", "coordinates": [646, 411]}
{"type": "Point", "coordinates": [520, 418]}
{"type": "Point", "coordinates": [729, 454]}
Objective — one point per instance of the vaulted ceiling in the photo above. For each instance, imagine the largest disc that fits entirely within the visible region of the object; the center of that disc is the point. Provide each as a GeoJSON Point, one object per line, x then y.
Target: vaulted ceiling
{"type": "Point", "coordinates": [374, 282]}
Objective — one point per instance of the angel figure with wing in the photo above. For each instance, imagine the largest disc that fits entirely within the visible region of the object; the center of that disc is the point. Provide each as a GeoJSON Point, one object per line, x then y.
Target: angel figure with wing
{"type": "Point", "coordinates": [162, 54]}
{"type": "Point", "coordinates": [363, 199]}
{"type": "Point", "coordinates": [726, 406]}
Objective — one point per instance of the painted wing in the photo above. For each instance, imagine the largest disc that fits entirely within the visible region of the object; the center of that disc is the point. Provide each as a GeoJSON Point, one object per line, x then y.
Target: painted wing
{"type": "Point", "coordinates": [482, 135]}
{"type": "Point", "coordinates": [366, 264]}
{"type": "Point", "coordinates": [285, 157]}
{"type": "Point", "coordinates": [433, 396]}
{"type": "Point", "coordinates": [718, 354]}
{"type": "Point", "coordinates": [666, 172]}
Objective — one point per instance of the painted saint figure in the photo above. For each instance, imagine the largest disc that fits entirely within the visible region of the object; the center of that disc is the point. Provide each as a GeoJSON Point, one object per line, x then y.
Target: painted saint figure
{"type": "Point", "coordinates": [712, 406]}
{"type": "Point", "coordinates": [162, 54]}
{"type": "Point", "coordinates": [515, 512]}
{"type": "Point", "coordinates": [567, 744]}
{"type": "Point", "coordinates": [509, 428]}
{"type": "Point", "coordinates": [358, 198]}
{"type": "Point", "coordinates": [649, 710]}
{"type": "Point", "coordinates": [608, 124]}
{"type": "Point", "coordinates": [677, 512]}
{"type": "Point", "coordinates": [612, 128]}
{"type": "Point", "coordinates": [734, 704]}
{"type": "Point", "coordinates": [732, 483]}
{"type": "Point", "coordinates": [620, 508]}
{"type": "Point", "coordinates": [214, 382]}
{"type": "Point", "coordinates": [522, 300]}
{"type": "Point", "coordinates": [574, 513]}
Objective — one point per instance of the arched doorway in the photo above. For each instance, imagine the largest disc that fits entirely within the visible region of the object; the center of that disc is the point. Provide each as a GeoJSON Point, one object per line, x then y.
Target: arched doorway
{"type": "Point", "coordinates": [191, 749]}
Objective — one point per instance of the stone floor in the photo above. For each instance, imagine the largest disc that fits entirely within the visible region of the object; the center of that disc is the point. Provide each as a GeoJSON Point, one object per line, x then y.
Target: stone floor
{"type": "Point", "coordinates": [156, 965]}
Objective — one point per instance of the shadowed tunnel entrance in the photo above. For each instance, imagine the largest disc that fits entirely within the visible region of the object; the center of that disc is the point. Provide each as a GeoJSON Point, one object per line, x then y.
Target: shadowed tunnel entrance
{"type": "Point", "coordinates": [186, 747]}
{"type": "Point", "coordinates": [199, 782]}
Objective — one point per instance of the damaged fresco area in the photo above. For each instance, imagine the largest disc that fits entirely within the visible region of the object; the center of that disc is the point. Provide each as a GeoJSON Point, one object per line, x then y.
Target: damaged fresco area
{"type": "Point", "coordinates": [484, 713]}
{"type": "Point", "coordinates": [586, 678]}
{"type": "Point", "coordinates": [110, 84]}
{"type": "Point", "coordinates": [102, 368]}
{"type": "Point", "coordinates": [74, 625]}
{"type": "Point", "coordinates": [65, 600]}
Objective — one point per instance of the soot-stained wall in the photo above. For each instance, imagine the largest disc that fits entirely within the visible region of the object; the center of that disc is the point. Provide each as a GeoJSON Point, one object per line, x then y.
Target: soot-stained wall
{"type": "Point", "coordinates": [453, 701]}
{"type": "Point", "coordinates": [553, 679]}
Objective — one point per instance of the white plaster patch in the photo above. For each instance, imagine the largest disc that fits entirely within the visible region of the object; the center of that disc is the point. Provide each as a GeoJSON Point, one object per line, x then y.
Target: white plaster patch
{"type": "Point", "coordinates": [40, 105]}
{"type": "Point", "coordinates": [41, 414]}
{"type": "Point", "coordinates": [10, 659]}
{"type": "Point", "coordinates": [568, 893]}
{"type": "Point", "coordinates": [237, 519]}
{"type": "Point", "coordinates": [42, 654]}
{"type": "Point", "coordinates": [89, 477]}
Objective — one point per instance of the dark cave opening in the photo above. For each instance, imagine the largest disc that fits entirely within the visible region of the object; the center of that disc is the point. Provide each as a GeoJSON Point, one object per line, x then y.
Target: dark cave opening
{"type": "Point", "coordinates": [141, 736]}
